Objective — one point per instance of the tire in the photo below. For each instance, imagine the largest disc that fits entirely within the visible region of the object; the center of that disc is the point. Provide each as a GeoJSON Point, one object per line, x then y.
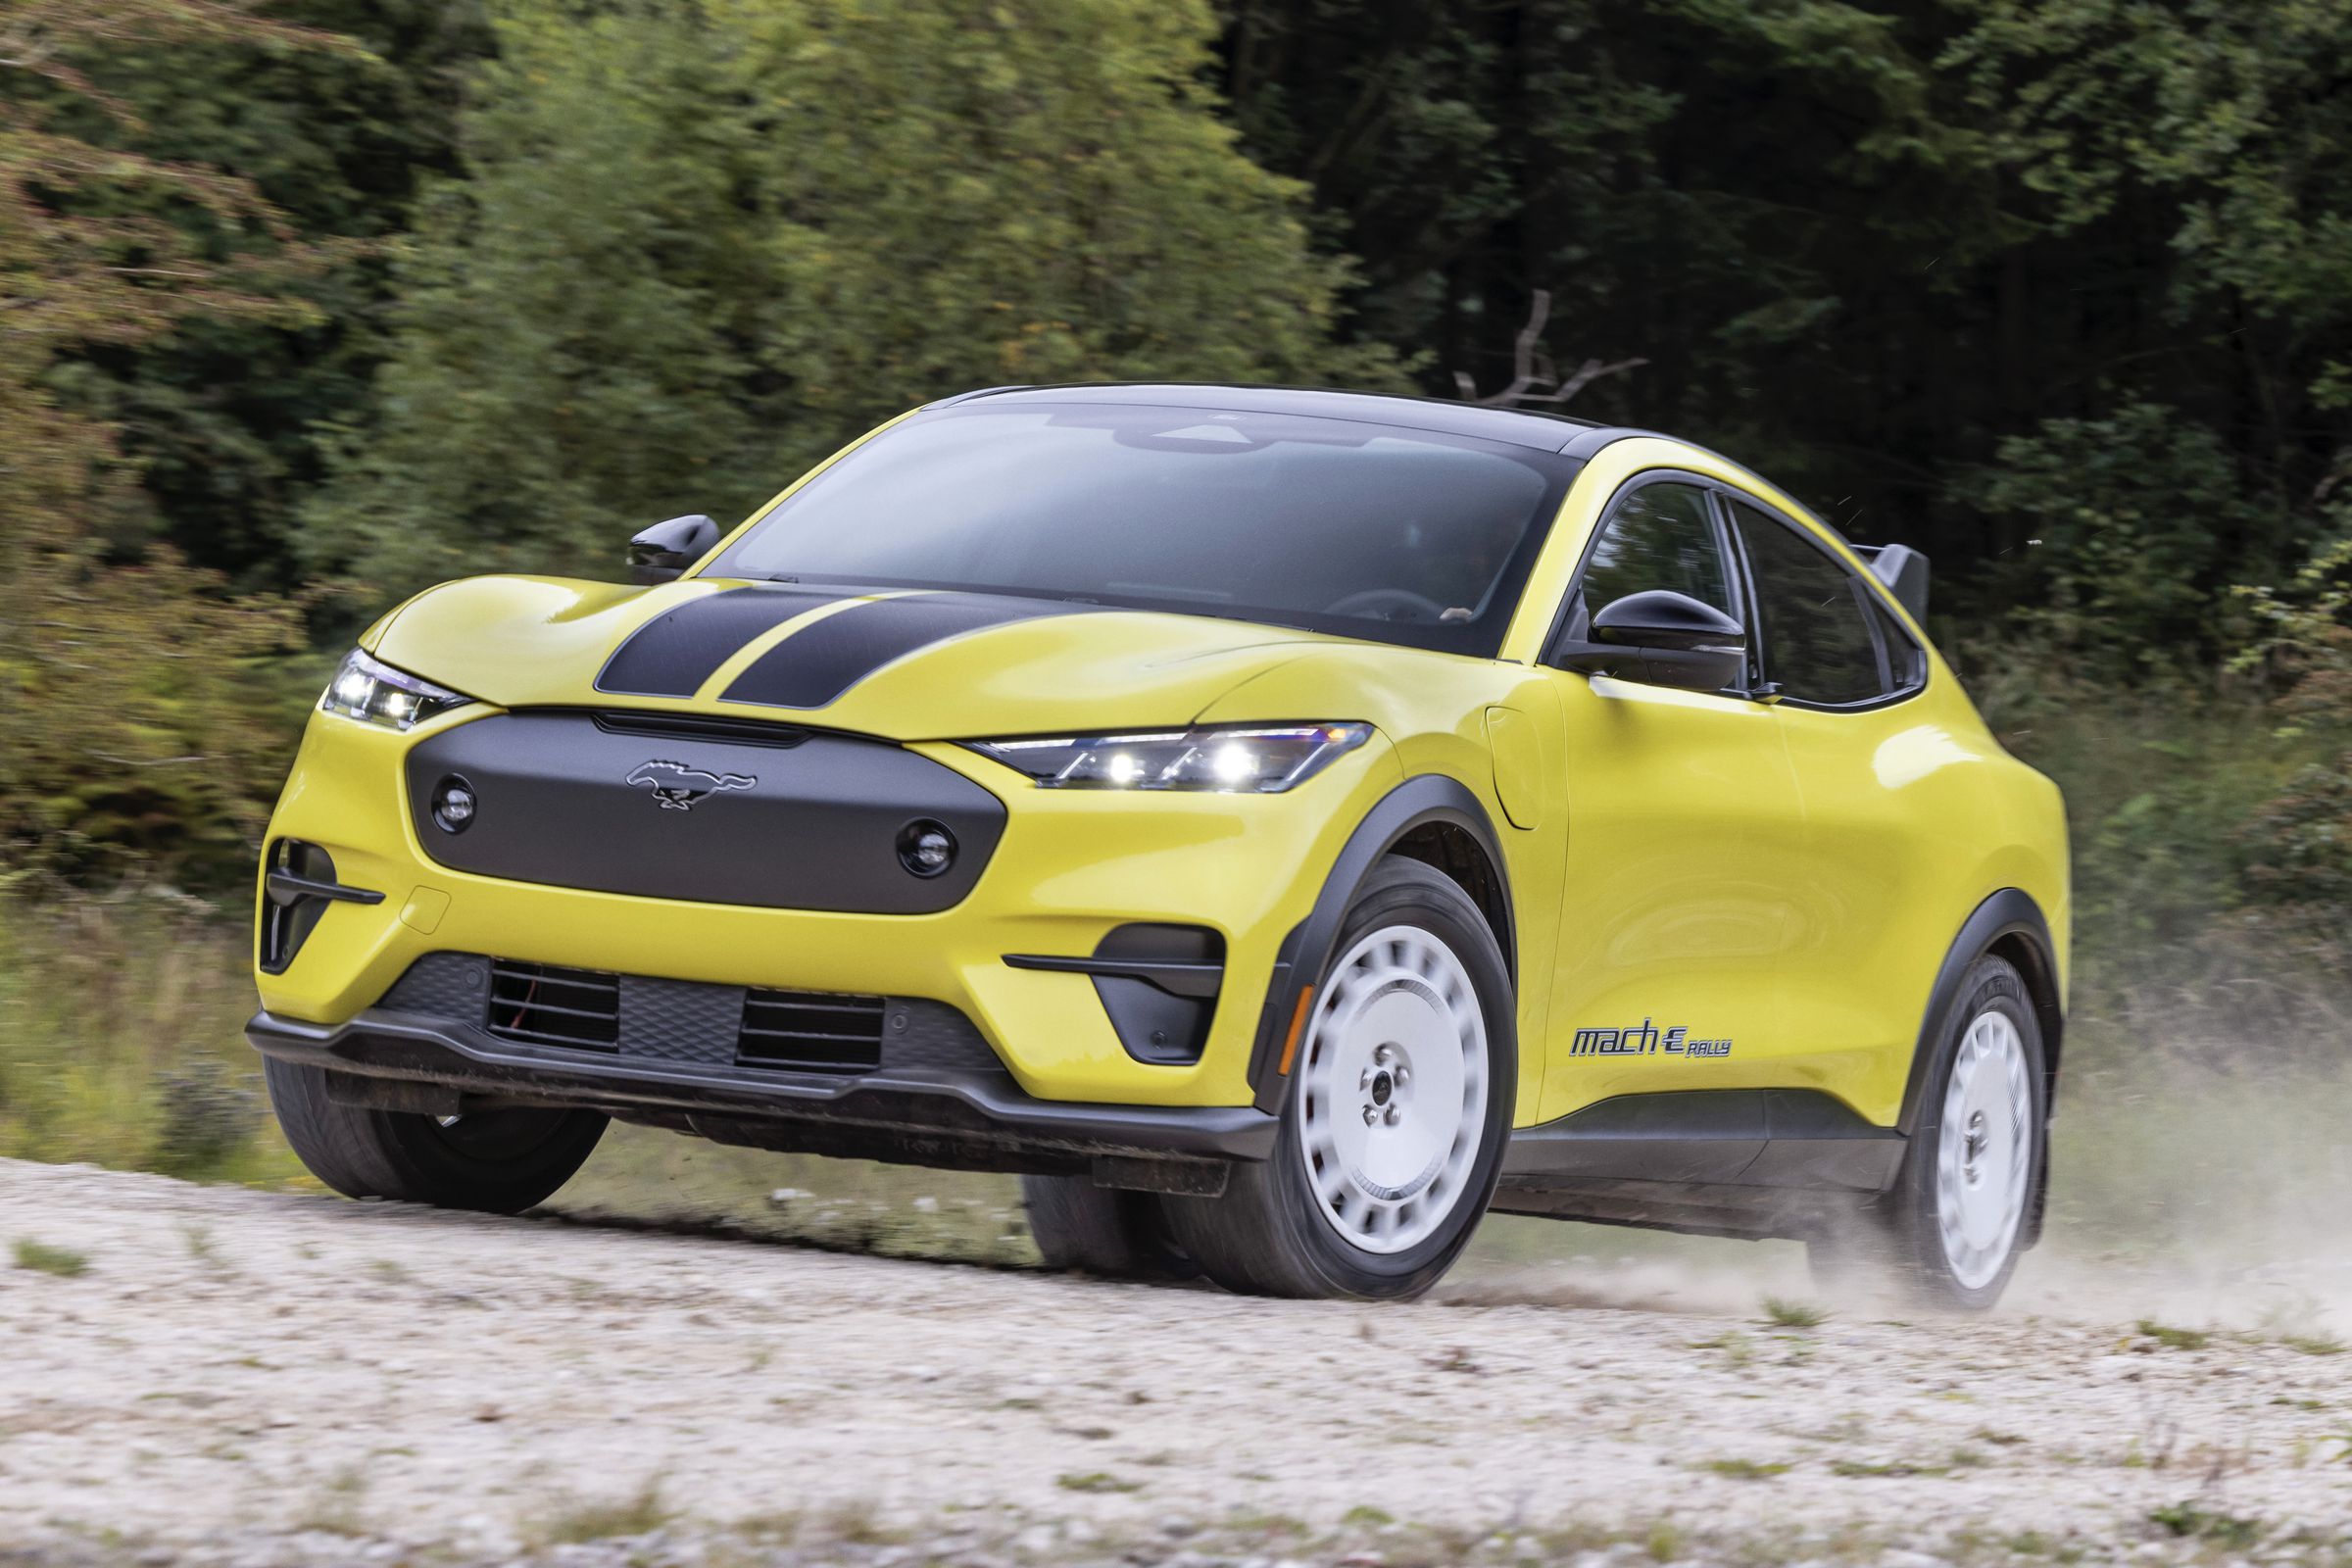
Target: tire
{"type": "Point", "coordinates": [1411, 1052]}
{"type": "Point", "coordinates": [1098, 1230]}
{"type": "Point", "coordinates": [1960, 1216]}
{"type": "Point", "coordinates": [495, 1162]}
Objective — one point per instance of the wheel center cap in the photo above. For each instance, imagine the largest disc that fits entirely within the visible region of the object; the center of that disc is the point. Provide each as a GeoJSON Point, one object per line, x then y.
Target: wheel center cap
{"type": "Point", "coordinates": [1382, 1086]}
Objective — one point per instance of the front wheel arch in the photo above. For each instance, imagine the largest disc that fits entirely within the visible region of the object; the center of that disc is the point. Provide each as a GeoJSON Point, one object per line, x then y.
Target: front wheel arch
{"type": "Point", "coordinates": [1430, 817]}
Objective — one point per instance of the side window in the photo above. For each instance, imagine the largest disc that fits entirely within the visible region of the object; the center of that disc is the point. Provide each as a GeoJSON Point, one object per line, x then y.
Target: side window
{"type": "Point", "coordinates": [1819, 641]}
{"type": "Point", "coordinates": [1660, 536]}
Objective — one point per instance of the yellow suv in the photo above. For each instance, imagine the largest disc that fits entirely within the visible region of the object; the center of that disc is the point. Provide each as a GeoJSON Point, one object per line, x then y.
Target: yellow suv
{"type": "Point", "coordinates": [1283, 825]}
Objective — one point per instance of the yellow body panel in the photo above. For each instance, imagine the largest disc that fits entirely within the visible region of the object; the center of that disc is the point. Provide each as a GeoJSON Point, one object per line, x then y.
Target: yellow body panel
{"type": "Point", "coordinates": [1783, 879]}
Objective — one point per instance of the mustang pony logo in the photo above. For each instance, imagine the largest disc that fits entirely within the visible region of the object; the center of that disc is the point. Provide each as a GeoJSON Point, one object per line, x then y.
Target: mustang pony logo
{"type": "Point", "coordinates": [676, 787]}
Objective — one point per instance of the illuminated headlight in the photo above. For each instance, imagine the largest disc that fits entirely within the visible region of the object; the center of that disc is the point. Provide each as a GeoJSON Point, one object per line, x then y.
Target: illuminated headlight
{"type": "Point", "coordinates": [375, 693]}
{"type": "Point", "coordinates": [1254, 759]}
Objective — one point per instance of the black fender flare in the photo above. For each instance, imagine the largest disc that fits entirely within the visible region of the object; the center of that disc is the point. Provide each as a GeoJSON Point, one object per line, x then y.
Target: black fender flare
{"type": "Point", "coordinates": [2010, 912]}
{"type": "Point", "coordinates": [2009, 915]}
{"type": "Point", "coordinates": [1417, 802]}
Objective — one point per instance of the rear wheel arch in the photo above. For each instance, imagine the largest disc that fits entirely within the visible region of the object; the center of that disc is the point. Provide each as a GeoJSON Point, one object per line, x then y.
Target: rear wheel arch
{"type": "Point", "coordinates": [2033, 961]}
{"type": "Point", "coordinates": [2008, 926]}
{"type": "Point", "coordinates": [1432, 818]}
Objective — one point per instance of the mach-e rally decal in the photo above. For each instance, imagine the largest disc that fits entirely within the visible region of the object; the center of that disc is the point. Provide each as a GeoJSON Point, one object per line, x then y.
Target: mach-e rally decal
{"type": "Point", "coordinates": [1644, 1040]}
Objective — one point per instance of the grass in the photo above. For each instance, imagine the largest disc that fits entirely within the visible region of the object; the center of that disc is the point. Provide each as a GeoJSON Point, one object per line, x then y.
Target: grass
{"type": "Point", "coordinates": [1783, 1313]}
{"type": "Point", "coordinates": [121, 1041]}
{"type": "Point", "coordinates": [42, 1258]}
{"type": "Point", "coordinates": [1095, 1481]}
{"type": "Point", "coordinates": [2189, 1521]}
{"type": "Point", "coordinates": [337, 1510]}
{"type": "Point", "coordinates": [1746, 1469]}
{"type": "Point", "coordinates": [638, 1514]}
{"type": "Point", "coordinates": [2313, 1343]}
{"type": "Point", "coordinates": [2174, 1339]}
{"type": "Point", "coordinates": [1737, 1349]}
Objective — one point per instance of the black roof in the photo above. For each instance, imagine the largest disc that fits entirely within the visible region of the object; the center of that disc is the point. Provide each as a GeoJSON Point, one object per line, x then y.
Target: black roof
{"type": "Point", "coordinates": [1526, 427]}
{"type": "Point", "coordinates": [1565, 433]}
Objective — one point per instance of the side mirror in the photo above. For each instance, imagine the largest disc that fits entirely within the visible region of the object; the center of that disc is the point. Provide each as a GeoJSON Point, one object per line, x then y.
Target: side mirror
{"type": "Point", "coordinates": [667, 549]}
{"type": "Point", "coordinates": [1662, 638]}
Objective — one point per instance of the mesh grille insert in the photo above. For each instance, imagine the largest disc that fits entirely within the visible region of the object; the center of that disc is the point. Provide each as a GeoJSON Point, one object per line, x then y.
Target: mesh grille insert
{"type": "Point", "coordinates": [810, 1031]}
{"type": "Point", "coordinates": [555, 1007]}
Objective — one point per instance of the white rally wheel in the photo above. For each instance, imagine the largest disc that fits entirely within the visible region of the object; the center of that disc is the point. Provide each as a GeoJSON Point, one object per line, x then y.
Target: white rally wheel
{"type": "Point", "coordinates": [1390, 1101]}
{"type": "Point", "coordinates": [1985, 1152]}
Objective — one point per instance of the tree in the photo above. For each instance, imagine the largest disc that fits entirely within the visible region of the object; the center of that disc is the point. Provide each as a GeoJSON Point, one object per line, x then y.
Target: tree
{"type": "Point", "coordinates": [220, 415]}
{"type": "Point", "coordinates": [697, 249]}
{"type": "Point", "coordinates": [128, 725]}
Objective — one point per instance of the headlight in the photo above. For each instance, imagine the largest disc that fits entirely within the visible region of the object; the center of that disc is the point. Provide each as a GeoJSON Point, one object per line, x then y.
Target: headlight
{"type": "Point", "coordinates": [375, 693]}
{"type": "Point", "coordinates": [1257, 759]}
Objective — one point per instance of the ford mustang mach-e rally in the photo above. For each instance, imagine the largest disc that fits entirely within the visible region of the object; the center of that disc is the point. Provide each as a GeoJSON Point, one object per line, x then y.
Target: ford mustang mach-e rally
{"type": "Point", "coordinates": [1282, 825]}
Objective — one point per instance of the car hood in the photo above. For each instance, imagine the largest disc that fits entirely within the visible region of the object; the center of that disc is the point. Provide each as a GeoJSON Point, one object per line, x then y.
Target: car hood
{"type": "Point", "coordinates": [906, 666]}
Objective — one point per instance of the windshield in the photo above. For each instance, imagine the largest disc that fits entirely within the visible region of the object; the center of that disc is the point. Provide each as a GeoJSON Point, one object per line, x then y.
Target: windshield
{"type": "Point", "coordinates": [1366, 530]}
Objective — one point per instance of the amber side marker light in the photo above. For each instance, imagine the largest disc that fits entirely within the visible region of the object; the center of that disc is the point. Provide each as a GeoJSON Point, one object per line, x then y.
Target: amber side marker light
{"type": "Point", "coordinates": [1289, 1043]}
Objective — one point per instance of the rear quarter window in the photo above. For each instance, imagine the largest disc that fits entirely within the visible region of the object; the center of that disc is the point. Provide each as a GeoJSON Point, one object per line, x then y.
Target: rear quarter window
{"type": "Point", "coordinates": [1819, 625]}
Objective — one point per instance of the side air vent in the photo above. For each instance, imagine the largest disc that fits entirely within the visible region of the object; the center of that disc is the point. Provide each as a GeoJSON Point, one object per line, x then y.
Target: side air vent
{"type": "Point", "coordinates": [547, 1005]}
{"type": "Point", "coordinates": [810, 1031]}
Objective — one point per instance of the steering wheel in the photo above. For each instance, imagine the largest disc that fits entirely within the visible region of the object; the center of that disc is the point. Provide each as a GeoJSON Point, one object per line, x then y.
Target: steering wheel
{"type": "Point", "coordinates": [1388, 603]}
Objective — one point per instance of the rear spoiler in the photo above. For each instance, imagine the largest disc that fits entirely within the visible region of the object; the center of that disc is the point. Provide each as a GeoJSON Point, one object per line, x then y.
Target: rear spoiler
{"type": "Point", "coordinates": [1904, 571]}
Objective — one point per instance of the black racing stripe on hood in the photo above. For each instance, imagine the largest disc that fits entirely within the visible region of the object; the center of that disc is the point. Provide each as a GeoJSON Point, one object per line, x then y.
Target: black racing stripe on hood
{"type": "Point", "coordinates": [676, 652]}
{"type": "Point", "coordinates": [813, 667]}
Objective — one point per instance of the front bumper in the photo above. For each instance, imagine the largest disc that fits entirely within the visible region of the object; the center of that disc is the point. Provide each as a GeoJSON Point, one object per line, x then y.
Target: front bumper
{"type": "Point", "coordinates": [1070, 867]}
{"type": "Point", "coordinates": [964, 1117]}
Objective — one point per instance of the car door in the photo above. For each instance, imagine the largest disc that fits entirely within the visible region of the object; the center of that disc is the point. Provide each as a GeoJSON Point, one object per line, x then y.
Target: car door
{"type": "Point", "coordinates": [1883, 788]}
{"type": "Point", "coordinates": [1685, 836]}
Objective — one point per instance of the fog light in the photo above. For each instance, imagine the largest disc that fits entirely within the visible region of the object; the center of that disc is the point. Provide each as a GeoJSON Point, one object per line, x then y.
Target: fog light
{"type": "Point", "coordinates": [926, 849]}
{"type": "Point", "coordinates": [454, 804]}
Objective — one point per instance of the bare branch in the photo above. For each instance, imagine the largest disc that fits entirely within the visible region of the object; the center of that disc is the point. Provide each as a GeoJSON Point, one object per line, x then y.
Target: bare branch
{"type": "Point", "coordinates": [1535, 377]}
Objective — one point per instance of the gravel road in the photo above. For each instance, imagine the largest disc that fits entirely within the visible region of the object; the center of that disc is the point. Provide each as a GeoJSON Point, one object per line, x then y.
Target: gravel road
{"type": "Point", "coordinates": [242, 1366]}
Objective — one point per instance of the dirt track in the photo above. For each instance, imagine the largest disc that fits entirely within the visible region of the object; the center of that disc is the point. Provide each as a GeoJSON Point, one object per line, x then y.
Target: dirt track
{"type": "Point", "coordinates": [235, 1360]}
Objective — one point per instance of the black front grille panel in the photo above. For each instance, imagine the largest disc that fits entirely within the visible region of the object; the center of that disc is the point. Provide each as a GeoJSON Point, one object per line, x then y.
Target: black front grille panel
{"type": "Point", "coordinates": [810, 1030]}
{"type": "Point", "coordinates": [708, 811]}
{"type": "Point", "coordinates": [555, 1007]}
{"type": "Point", "coordinates": [687, 1022]}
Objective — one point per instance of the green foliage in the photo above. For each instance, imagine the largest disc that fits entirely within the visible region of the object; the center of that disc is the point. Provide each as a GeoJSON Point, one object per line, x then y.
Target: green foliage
{"type": "Point", "coordinates": [2191, 1520]}
{"type": "Point", "coordinates": [639, 1514]}
{"type": "Point", "coordinates": [134, 736]}
{"type": "Point", "coordinates": [699, 248]}
{"type": "Point", "coordinates": [1783, 1312]}
{"type": "Point", "coordinates": [333, 128]}
{"type": "Point", "coordinates": [2304, 642]}
{"type": "Point", "coordinates": [2174, 1339]}
{"type": "Point", "coordinates": [1746, 1469]}
{"type": "Point", "coordinates": [145, 734]}
{"type": "Point", "coordinates": [120, 1039]}
{"type": "Point", "coordinates": [2299, 848]}
{"type": "Point", "coordinates": [2126, 529]}
{"type": "Point", "coordinates": [42, 1258]}
{"type": "Point", "coordinates": [1878, 249]}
